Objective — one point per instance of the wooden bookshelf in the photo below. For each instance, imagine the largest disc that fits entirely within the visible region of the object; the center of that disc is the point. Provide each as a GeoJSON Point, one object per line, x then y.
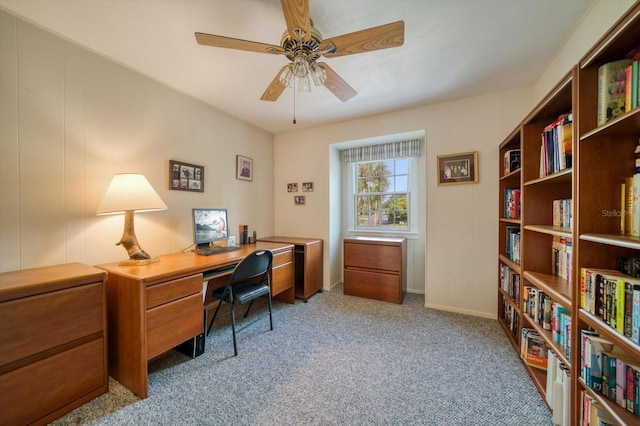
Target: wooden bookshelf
{"type": "Point", "coordinates": [602, 158]}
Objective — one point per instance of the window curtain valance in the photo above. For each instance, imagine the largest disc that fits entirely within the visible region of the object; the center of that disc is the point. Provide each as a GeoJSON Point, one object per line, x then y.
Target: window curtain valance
{"type": "Point", "coordinates": [400, 149]}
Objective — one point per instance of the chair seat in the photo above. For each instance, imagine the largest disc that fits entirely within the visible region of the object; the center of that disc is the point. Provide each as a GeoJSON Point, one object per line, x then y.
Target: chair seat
{"type": "Point", "coordinates": [243, 292]}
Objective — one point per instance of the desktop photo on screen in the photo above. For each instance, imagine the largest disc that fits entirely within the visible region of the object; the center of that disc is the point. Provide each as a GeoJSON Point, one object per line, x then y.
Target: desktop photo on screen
{"type": "Point", "coordinates": [209, 225]}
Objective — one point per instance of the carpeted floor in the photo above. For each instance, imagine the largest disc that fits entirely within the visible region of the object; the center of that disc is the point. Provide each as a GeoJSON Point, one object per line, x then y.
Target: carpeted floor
{"type": "Point", "coordinates": [336, 360]}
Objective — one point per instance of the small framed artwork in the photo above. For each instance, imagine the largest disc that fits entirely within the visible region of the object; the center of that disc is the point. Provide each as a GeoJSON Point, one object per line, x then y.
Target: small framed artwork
{"type": "Point", "coordinates": [458, 168]}
{"type": "Point", "coordinates": [185, 176]}
{"type": "Point", "coordinates": [244, 168]}
{"type": "Point", "coordinates": [307, 186]}
{"type": "Point", "coordinates": [292, 187]}
{"type": "Point", "coordinates": [298, 200]}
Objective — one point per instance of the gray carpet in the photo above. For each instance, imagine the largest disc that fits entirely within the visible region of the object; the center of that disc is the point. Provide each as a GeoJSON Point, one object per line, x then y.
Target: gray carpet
{"type": "Point", "coordinates": [336, 360]}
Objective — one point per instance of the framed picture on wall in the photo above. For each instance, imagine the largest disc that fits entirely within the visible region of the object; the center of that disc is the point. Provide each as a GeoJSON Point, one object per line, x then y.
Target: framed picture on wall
{"type": "Point", "coordinates": [299, 200]}
{"type": "Point", "coordinates": [307, 186]}
{"type": "Point", "coordinates": [458, 168]}
{"type": "Point", "coordinates": [292, 187]}
{"type": "Point", "coordinates": [244, 168]}
{"type": "Point", "coordinates": [185, 176]}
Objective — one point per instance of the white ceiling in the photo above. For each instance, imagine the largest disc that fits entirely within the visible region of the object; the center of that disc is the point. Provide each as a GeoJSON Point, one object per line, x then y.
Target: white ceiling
{"type": "Point", "coordinates": [453, 49]}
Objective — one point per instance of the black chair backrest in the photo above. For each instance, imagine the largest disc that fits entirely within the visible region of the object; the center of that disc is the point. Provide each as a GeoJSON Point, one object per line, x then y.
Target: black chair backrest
{"type": "Point", "coordinates": [252, 266]}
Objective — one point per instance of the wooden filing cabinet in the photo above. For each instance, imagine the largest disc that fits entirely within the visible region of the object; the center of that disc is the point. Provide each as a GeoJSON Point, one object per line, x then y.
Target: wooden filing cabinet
{"type": "Point", "coordinates": [53, 341]}
{"type": "Point", "coordinates": [375, 268]}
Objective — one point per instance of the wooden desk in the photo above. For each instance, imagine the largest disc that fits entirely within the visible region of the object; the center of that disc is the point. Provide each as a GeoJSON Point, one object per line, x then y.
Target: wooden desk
{"type": "Point", "coordinates": [308, 263]}
{"type": "Point", "coordinates": [153, 308]}
{"type": "Point", "coordinates": [53, 342]}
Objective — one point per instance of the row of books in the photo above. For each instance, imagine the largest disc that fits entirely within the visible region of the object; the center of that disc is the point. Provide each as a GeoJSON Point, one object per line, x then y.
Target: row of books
{"type": "Point", "coordinates": [561, 256]}
{"type": "Point", "coordinates": [630, 206]}
{"type": "Point", "coordinates": [533, 349]}
{"type": "Point", "coordinates": [562, 214]}
{"type": "Point", "coordinates": [512, 247]}
{"type": "Point", "coordinates": [509, 281]}
{"type": "Point", "coordinates": [548, 314]}
{"type": "Point", "coordinates": [558, 390]}
{"type": "Point", "coordinates": [556, 152]}
{"type": "Point", "coordinates": [512, 203]}
{"type": "Point", "coordinates": [511, 161]}
{"type": "Point", "coordinates": [614, 298]}
{"type": "Point", "coordinates": [618, 83]}
{"type": "Point", "coordinates": [510, 317]}
{"type": "Point", "coordinates": [609, 371]}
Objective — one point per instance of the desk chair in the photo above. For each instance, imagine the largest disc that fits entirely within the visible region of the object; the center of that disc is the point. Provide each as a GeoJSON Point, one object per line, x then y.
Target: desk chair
{"type": "Point", "coordinates": [247, 283]}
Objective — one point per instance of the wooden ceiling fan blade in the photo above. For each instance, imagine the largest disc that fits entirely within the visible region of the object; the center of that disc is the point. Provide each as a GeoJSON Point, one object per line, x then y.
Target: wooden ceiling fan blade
{"type": "Point", "coordinates": [296, 14]}
{"type": "Point", "coordinates": [375, 38]}
{"type": "Point", "coordinates": [275, 89]}
{"type": "Point", "coordinates": [236, 43]}
{"type": "Point", "coordinates": [336, 84]}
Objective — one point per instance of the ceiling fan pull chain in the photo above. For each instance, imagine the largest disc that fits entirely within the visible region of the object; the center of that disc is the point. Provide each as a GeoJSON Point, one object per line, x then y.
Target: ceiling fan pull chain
{"type": "Point", "coordinates": [294, 101]}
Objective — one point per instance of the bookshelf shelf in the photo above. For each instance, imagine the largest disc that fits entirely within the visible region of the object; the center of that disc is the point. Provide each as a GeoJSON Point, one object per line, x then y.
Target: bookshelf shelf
{"type": "Point", "coordinates": [602, 157]}
{"type": "Point", "coordinates": [551, 230]}
{"type": "Point", "coordinates": [606, 331]}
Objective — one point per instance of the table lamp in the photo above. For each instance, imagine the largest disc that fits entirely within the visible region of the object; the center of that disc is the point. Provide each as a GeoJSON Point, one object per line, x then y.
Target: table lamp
{"type": "Point", "coordinates": [129, 193]}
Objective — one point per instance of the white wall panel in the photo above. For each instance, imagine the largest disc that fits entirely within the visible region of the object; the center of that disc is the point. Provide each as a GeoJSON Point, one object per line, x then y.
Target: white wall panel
{"type": "Point", "coordinates": [70, 119]}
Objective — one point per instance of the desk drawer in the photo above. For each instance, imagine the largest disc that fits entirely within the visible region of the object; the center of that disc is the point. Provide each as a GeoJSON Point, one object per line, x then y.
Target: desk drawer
{"type": "Point", "coordinates": [38, 389]}
{"type": "Point", "coordinates": [173, 290]}
{"type": "Point", "coordinates": [281, 258]}
{"type": "Point", "coordinates": [170, 324]}
{"type": "Point", "coordinates": [34, 324]}
{"type": "Point", "coordinates": [281, 278]}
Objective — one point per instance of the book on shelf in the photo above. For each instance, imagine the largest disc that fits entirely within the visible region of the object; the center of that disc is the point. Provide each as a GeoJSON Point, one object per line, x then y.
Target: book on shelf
{"type": "Point", "coordinates": [562, 213]}
{"type": "Point", "coordinates": [511, 161]}
{"type": "Point", "coordinates": [512, 203]}
{"type": "Point", "coordinates": [611, 90]}
{"type": "Point", "coordinates": [594, 414]}
{"type": "Point", "coordinates": [509, 281]}
{"type": "Point", "coordinates": [556, 151]}
{"type": "Point", "coordinates": [592, 349]}
{"type": "Point", "coordinates": [512, 242]}
{"type": "Point", "coordinates": [561, 254]}
{"type": "Point", "coordinates": [631, 86]}
{"type": "Point", "coordinates": [533, 349]}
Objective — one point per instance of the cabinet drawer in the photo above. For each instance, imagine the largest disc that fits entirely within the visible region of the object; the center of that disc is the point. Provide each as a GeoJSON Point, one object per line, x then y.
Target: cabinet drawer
{"type": "Point", "coordinates": [173, 290]}
{"type": "Point", "coordinates": [33, 324]}
{"type": "Point", "coordinates": [282, 258]}
{"type": "Point", "coordinates": [373, 256]}
{"type": "Point", "coordinates": [281, 278]}
{"type": "Point", "coordinates": [373, 285]}
{"type": "Point", "coordinates": [35, 390]}
{"type": "Point", "coordinates": [172, 323]}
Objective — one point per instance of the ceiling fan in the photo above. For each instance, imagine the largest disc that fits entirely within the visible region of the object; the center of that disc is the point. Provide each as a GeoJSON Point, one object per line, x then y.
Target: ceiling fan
{"type": "Point", "coordinates": [303, 45]}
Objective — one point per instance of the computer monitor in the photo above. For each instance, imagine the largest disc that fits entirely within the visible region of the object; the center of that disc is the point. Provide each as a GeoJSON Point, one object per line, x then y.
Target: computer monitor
{"type": "Point", "coordinates": [209, 225]}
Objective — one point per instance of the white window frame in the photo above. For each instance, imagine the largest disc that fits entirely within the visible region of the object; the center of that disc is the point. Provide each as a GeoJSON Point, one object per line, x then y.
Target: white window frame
{"type": "Point", "coordinates": [352, 188]}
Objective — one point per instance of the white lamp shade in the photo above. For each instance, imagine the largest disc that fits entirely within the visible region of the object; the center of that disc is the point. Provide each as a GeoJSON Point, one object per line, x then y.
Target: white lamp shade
{"type": "Point", "coordinates": [130, 191]}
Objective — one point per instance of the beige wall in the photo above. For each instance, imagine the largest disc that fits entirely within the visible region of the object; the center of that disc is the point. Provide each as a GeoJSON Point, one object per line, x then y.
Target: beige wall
{"type": "Point", "coordinates": [70, 119]}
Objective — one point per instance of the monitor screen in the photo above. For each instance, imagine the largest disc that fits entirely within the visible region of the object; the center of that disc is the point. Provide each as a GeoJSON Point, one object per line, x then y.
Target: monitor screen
{"type": "Point", "coordinates": [209, 225]}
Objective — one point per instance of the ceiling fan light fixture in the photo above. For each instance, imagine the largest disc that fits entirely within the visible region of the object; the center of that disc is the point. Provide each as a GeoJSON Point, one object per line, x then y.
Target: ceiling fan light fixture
{"type": "Point", "coordinates": [300, 67]}
{"type": "Point", "coordinates": [318, 74]}
{"type": "Point", "coordinates": [286, 78]}
{"type": "Point", "coordinates": [304, 84]}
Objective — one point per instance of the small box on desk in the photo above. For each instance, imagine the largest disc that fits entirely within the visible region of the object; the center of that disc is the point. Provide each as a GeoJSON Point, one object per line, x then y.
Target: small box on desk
{"type": "Point", "coordinates": [194, 347]}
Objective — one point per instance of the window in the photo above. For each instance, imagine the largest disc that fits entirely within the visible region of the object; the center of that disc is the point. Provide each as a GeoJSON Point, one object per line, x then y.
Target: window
{"type": "Point", "coordinates": [381, 194]}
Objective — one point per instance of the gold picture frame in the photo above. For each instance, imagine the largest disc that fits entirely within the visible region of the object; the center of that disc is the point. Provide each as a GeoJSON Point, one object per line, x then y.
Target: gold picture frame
{"type": "Point", "coordinates": [455, 169]}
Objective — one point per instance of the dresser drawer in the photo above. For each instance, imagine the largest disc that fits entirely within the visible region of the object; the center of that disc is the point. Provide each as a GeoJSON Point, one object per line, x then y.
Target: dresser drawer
{"type": "Point", "coordinates": [172, 323]}
{"type": "Point", "coordinates": [173, 290]}
{"type": "Point", "coordinates": [373, 285]}
{"type": "Point", "coordinates": [37, 389]}
{"type": "Point", "coordinates": [373, 256]}
{"type": "Point", "coordinates": [33, 324]}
